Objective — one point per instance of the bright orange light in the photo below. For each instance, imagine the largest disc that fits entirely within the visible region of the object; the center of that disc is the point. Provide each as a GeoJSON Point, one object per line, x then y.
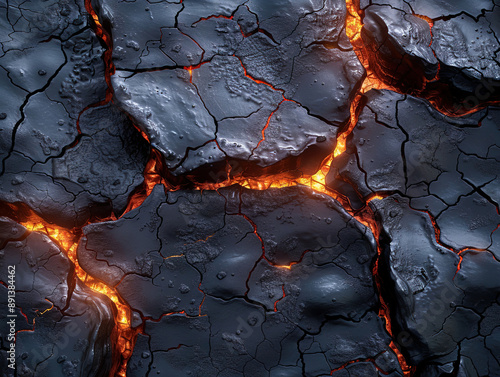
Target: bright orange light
{"type": "Point", "coordinates": [353, 21]}
{"type": "Point", "coordinates": [286, 267]}
{"type": "Point", "coordinates": [155, 173]}
{"type": "Point", "coordinates": [375, 197]}
{"type": "Point", "coordinates": [68, 242]}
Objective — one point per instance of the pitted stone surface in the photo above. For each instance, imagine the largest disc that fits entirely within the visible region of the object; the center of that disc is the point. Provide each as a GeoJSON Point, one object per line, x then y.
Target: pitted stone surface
{"type": "Point", "coordinates": [443, 165]}
{"type": "Point", "coordinates": [99, 108]}
{"type": "Point", "coordinates": [277, 277]}
{"type": "Point", "coordinates": [436, 47]}
{"type": "Point", "coordinates": [199, 74]}
{"type": "Point", "coordinates": [444, 304]}
{"type": "Point", "coordinates": [53, 75]}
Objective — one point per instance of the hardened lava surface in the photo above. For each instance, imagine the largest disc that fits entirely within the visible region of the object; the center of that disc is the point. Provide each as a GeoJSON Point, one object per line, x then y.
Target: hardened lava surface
{"type": "Point", "coordinates": [255, 83]}
{"type": "Point", "coordinates": [63, 328]}
{"type": "Point", "coordinates": [285, 188]}
{"type": "Point", "coordinates": [226, 298]}
{"type": "Point", "coordinates": [438, 177]}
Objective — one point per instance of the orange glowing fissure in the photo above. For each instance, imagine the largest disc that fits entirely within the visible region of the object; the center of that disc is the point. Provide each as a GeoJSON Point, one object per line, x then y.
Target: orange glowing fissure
{"type": "Point", "coordinates": [155, 174]}
{"type": "Point", "coordinates": [316, 181]}
{"type": "Point", "coordinates": [68, 241]}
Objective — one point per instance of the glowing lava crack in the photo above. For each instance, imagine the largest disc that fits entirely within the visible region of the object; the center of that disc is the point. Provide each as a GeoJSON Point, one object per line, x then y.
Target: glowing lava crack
{"type": "Point", "coordinates": [257, 188]}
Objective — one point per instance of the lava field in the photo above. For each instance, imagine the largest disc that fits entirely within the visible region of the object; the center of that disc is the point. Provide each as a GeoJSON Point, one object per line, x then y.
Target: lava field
{"type": "Point", "coordinates": [250, 188]}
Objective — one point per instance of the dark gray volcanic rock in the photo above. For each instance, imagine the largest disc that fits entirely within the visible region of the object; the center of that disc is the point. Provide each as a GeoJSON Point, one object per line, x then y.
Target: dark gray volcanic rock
{"type": "Point", "coordinates": [53, 73]}
{"type": "Point", "coordinates": [400, 46]}
{"type": "Point", "coordinates": [51, 62]}
{"type": "Point", "coordinates": [467, 50]}
{"type": "Point", "coordinates": [447, 8]}
{"type": "Point", "coordinates": [220, 297]}
{"type": "Point", "coordinates": [24, 25]}
{"type": "Point", "coordinates": [444, 165]}
{"type": "Point", "coordinates": [461, 47]}
{"type": "Point", "coordinates": [91, 178]}
{"type": "Point", "coordinates": [439, 279]}
{"type": "Point", "coordinates": [58, 100]}
{"type": "Point", "coordinates": [109, 159]}
{"type": "Point", "coordinates": [238, 282]}
{"type": "Point", "coordinates": [445, 306]}
{"type": "Point", "coordinates": [166, 103]}
{"type": "Point", "coordinates": [265, 81]}
{"type": "Point", "coordinates": [54, 83]}
{"type": "Point", "coordinates": [62, 328]}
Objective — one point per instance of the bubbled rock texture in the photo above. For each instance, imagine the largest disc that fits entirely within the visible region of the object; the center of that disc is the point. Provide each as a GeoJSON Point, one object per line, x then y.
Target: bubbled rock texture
{"type": "Point", "coordinates": [218, 301]}
{"type": "Point", "coordinates": [285, 188]}
{"type": "Point", "coordinates": [255, 82]}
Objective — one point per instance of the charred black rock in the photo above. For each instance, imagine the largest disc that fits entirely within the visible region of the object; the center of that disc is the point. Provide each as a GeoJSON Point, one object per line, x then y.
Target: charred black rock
{"type": "Point", "coordinates": [445, 306]}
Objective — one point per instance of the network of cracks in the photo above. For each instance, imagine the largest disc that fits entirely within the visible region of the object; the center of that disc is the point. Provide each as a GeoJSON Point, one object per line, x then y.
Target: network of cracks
{"type": "Point", "coordinates": [250, 188]}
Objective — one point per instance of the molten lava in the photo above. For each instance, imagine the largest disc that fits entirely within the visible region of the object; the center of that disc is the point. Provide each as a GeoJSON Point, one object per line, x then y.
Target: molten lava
{"type": "Point", "coordinates": [107, 44]}
{"type": "Point", "coordinates": [68, 242]}
{"type": "Point", "coordinates": [156, 173]}
{"type": "Point", "coordinates": [317, 181]}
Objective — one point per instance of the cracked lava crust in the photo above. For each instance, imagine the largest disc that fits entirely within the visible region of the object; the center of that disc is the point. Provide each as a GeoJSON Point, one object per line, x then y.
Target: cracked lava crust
{"type": "Point", "coordinates": [224, 188]}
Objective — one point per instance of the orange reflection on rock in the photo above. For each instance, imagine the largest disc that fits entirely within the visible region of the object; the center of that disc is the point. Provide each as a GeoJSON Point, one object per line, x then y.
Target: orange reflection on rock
{"type": "Point", "coordinates": [68, 241]}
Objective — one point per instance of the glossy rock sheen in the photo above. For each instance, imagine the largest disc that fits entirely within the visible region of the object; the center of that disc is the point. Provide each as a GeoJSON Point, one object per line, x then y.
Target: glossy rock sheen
{"type": "Point", "coordinates": [63, 328]}
{"type": "Point", "coordinates": [424, 45]}
{"type": "Point", "coordinates": [52, 78]}
{"type": "Point", "coordinates": [237, 282]}
{"type": "Point", "coordinates": [217, 303]}
{"type": "Point", "coordinates": [259, 82]}
{"type": "Point", "coordinates": [438, 175]}
{"type": "Point", "coordinates": [444, 165]}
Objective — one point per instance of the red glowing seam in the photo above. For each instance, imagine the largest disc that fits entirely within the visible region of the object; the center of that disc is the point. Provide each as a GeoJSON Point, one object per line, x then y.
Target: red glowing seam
{"type": "Point", "coordinates": [26, 317]}
{"type": "Point", "coordinates": [281, 298]}
{"type": "Point", "coordinates": [460, 256]}
{"type": "Point", "coordinates": [212, 17]}
{"type": "Point", "coordinates": [223, 17]}
{"type": "Point", "coordinates": [369, 359]}
{"type": "Point", "coordinates": [202, 301]}
{"type": "Point", "coordinates": [177, 347]}
{"type": "Point", "coordinates": [263, 256]}
{"type": "Point", "coordinates": [459, 265]}
{"type": "Point", "coordinates": [256, 80]}
{"type": "Point", "coordinates": [179, 313]}
{"type": "Point", "coordinates": [153, 176]}
{"type": "Point", "coordinates": [265, 128]}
